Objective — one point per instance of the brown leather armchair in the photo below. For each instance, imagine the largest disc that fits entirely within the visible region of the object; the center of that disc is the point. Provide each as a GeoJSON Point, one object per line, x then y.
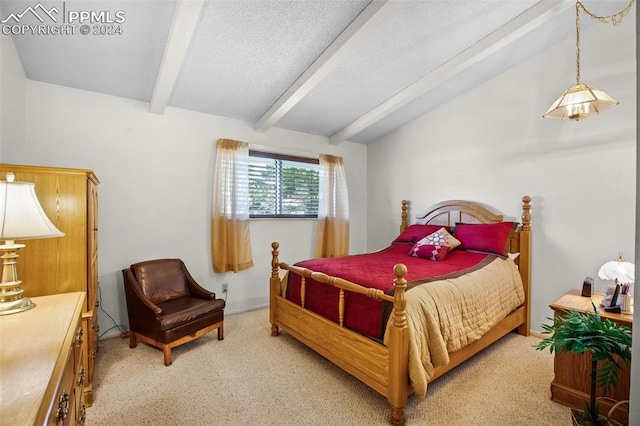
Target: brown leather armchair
{"type": "Point", "coordinates": [167, 307]}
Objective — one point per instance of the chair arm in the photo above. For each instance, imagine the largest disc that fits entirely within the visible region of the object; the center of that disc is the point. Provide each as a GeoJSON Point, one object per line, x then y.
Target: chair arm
{"type": "Point", "coordinates": [195, 289]}
{"type": "Point", "coordinates": [138, 299]}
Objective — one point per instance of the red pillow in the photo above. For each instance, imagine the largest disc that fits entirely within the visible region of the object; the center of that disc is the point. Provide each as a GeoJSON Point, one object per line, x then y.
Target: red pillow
{"type": "Point", "coordinates": [486, 237]}
{"type": "Point", "coordinates": [429, 251]}
{"type": "Point", "coordinates": [415, 233]}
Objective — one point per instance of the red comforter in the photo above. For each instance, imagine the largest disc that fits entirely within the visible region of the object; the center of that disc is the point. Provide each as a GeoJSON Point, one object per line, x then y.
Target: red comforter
{"type": "Point", "coordinates": [375, 270]}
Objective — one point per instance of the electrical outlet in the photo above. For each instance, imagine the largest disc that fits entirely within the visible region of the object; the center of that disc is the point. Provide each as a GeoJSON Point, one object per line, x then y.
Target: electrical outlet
{"type": "Point", "coordinates": [225, 287]}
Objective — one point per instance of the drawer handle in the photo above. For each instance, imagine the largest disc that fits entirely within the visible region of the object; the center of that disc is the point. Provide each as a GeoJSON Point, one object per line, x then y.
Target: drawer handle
{"type": "Point", "coordinates": [79, 336]}
{"type": "Point", "coordinates": [63, 406]}
{"type": "Point", "coordinates": [81, 377]}
{"type": "Point", "coordinates": [83, 415]}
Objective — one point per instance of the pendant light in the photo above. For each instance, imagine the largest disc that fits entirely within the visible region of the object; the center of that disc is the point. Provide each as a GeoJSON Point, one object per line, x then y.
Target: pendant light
{"type": "Point", "coordinates": [581, 100]}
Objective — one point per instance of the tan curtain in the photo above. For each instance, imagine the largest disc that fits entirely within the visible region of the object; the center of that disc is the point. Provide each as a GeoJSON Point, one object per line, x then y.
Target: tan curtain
{"type": "Point", "coordinates": [230, 241]}
{"type": "Point", "coordinates": [333, 209]}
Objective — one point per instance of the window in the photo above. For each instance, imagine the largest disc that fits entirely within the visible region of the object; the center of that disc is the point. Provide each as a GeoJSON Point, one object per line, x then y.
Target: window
{"type": "Point", "coordinates": [282, 185]}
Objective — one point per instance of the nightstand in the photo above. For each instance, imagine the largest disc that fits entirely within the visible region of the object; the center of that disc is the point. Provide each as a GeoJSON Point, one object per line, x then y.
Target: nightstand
{"type": "Point", "coordinates": [570, 385]}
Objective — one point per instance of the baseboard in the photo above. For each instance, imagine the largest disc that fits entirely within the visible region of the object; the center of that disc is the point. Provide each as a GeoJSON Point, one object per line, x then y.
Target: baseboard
{"type": "Point", "coordinates": [229, 310]}
{"type": "Point", "coordinates": [238, 310]}
{"type": "Point", "coordinates": [245, 305]}
{"type": "Point", "coordinates": [538, 334]}
{"type": "Point", "coordinates": [110, 334]}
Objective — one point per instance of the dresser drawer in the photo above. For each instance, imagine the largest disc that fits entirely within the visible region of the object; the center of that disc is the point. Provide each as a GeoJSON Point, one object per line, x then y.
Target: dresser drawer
{"type": "Point", "coordinates": [89, 353]}
{"type": "Point", "coordinates": [80, 378]}
{"type": "Point", "coordinates": [64, 404]}
{"type": "Point", "coordinates": [42, 363]}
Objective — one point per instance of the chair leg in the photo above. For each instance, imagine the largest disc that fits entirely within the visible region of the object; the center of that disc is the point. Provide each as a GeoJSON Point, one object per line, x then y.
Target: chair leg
{"type": "Point", "coordinates": [166, 350]}
{"type": "Point", "coordinates": [133, 342]}
{"type": "Point", "coordinates": [221, 332]}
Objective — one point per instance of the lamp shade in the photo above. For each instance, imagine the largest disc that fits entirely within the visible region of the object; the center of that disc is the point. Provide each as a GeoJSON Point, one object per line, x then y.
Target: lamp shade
{"type": "Point", "coordinates": [580, 101]}
{"type": "Point", "coordinates": [619, 270]}
{"type": "Point", "coordinates": [21, 215]}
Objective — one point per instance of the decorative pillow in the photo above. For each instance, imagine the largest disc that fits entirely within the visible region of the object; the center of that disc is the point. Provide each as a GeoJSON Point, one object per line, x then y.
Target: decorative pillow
{"type": "Point", "coordinates": [415, 233]}
{"type": "Point", "coordinates": [441, 237]}
{"type": "Point", "coordinates": [486, 237]}
{"type": "Point", "coordinates": [429, 251]}
{"type": "Point", "coordinates": [435, 246]}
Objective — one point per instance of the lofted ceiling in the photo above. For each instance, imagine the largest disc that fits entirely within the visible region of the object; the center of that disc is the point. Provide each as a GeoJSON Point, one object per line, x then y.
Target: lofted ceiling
{"type": "Point", "coordinates": [345, 69]}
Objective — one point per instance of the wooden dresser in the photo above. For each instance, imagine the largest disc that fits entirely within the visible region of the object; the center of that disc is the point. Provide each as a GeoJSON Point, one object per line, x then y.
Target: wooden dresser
{"type": "Point", "coordinates": [69, 197]}
{"type": "Point", "coordinates": [41, 365]}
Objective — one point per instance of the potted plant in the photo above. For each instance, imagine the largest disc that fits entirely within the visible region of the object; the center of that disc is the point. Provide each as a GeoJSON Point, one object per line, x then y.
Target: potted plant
{"type": "Point", "coordinates": [609, 343]}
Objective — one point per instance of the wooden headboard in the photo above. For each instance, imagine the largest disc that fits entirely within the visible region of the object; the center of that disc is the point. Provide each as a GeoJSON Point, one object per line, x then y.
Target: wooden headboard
{"type": "Point", "coordinates": [451, 212]}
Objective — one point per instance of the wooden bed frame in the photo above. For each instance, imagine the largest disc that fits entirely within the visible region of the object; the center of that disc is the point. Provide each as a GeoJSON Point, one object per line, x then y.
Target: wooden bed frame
{"type": "Point", "coordinates": [385, 368]}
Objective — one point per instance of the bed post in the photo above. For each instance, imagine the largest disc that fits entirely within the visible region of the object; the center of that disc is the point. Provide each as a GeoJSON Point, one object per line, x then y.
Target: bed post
{"type": "Point", "coordinates": [398, 349]}
{"type": "Point", "coordinates": [403, 217]}
{"type": "Point", "coordinates": [525, 263]}
{"type": "Point", "coordinates": [274, 287]}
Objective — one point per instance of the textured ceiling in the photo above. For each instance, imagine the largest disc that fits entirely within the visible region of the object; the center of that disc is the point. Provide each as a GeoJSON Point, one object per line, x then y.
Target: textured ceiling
{"type": "Point", "coordinates": [123, 65]}
{"type": "Point", "coordinates": [244, 54]}
{"type": "Point", "coordinates": [346, 69]}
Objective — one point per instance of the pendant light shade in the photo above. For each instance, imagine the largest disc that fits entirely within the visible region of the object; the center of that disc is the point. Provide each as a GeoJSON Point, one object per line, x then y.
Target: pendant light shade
{"type": "Point", "coordinates": [582, 100]}
{"type": "Point", "coordinates": [579, 101]}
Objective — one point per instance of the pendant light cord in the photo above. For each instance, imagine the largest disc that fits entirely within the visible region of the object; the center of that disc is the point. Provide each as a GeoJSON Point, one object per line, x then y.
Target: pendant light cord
{"type": "Point", "coordinates": [614, 19]}
{"type": "Point", "coordinates": [578, 5]}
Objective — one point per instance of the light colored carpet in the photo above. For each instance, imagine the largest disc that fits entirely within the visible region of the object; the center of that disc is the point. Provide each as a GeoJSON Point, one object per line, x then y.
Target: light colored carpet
{"type": "Point", "coordinates": [252, 378]}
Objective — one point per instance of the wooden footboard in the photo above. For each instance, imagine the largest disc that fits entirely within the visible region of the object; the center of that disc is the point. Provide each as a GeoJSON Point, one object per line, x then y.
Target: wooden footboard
{"type": "Point", "coordinates": [385, 368]}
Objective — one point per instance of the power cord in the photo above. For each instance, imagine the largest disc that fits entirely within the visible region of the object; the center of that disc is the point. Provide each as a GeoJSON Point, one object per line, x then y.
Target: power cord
{"type": "Point", "coordinates": [225, 291]}
{"type": "Point", "coordinates": [123, 332]}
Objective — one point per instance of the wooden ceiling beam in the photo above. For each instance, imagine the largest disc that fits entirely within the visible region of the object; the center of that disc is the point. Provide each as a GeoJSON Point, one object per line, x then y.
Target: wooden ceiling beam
{"type": "Point", "coordinates": [185, 18]}
{"type": "Point", "coordinates": [518, 27]}
{"type": "Point", "coordinates": [367, 21]}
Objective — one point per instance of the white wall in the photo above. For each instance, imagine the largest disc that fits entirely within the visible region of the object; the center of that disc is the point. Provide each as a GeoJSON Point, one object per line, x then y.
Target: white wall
{"type": "Point", "coordinates": [12, 97]}
{"type": "Point", "coordinates": [634, 409]}
{"type": "Point", "coordinates": [156, 174]}
{"type": "Point", "coordinates": [492, 145]}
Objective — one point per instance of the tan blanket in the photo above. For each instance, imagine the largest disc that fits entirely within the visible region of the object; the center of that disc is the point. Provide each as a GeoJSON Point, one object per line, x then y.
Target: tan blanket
{"type": "Point", "coordinates": [444, 316]}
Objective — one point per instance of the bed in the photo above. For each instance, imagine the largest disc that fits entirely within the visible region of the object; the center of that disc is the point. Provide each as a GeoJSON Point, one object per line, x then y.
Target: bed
{"type": "Point", "coordinates": [389, 361]}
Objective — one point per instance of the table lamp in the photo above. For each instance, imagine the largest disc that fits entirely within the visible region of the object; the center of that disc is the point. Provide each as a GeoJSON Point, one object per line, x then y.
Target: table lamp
{"type": "Point", "coordinates": [21, 218]}
{"type": "Point", "coordinates": [622, 273]}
